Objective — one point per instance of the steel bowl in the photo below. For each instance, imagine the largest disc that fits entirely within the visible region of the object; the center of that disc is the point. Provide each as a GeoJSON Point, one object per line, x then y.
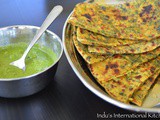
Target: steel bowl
{"type": "Point", "coordinates": [79, 67]}
{"type": "Point", "coordinates": [24, 86]}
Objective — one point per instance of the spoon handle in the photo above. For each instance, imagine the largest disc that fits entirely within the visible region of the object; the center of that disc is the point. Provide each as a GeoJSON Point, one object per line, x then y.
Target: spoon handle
{"type": "Point", "coordinates": [50, 18]}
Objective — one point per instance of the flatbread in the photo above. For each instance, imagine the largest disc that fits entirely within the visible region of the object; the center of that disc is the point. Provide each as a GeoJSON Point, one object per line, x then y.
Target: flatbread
{"type": "Point", "coordinates": [89, 38]}
{"type": "Point", "coordinates": [136, 20]}
{"type": "Point", "coordinates": [124, 88]}
{"type": "Point", "coordinates": [82, 49]}
{"type": "Point", "coordinates": [139, 95]}
{"type": "Point", "coordinates": [127, 49]}
{"type": "Point", "coordinates": [118, 65]}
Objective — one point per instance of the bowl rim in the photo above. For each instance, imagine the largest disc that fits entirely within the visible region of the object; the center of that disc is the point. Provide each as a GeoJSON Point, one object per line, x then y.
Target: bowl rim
{"type": "Point", "coordinates": [33, 75]}
{"type": "Point", "coordinates": [97, 92]}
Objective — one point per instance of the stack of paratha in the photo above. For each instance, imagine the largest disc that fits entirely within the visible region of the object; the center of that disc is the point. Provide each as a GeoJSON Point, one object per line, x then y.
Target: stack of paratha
{"type": "Point", "coordinates": [120, 44]}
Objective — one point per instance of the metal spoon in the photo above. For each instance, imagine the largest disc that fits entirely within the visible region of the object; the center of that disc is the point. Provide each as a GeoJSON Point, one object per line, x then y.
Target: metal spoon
{"type": "Point", "coordinates": [20, 63]}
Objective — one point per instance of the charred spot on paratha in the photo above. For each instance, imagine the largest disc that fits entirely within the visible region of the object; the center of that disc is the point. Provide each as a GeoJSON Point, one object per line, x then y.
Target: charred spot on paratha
{"type": "Point", "coordinates": [138, 77]}
{"type": "Point", "coordinates": [146, 10]}
{"type": "Point", "coordinates": [152, 69]}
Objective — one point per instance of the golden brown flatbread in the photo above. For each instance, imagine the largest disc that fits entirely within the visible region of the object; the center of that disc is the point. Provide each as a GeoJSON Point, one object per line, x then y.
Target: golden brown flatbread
{"type": "Point", "coordinates": [124, 88]}
{"type": "Point", "coordinates": [89, 38]}
{"type": "Point", "coordinates": [139, 95]}
{"type": "Point", "coordinates": [136, 20]}
{"type": "Point", "coordinates": [120, 44]}
{"type": "Point", "coordinates": [82, 49]}
{"type": "Point", "coordinates": [126, 49]}
{"type": "Point", "coordinates": [118, 65]}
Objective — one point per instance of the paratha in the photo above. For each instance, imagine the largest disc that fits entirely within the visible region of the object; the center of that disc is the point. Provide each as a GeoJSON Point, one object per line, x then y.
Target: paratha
{"type": "Point", "coordinates": [118, 65]}
{"type": "Point", "coordinates": [89, 38]}
{"type": "Point", "coordinates": [82, 49]}
{"type": "Point", "coordinates": [136, 20]}
{"type": "Point", "coordinates": [126, 49]}
{"type": "Point", "coordinates": [139, 95]}
{"type": "Point", "coordinates": [124, 88]}
{"type": "Point", "coordinates": [120, 44]}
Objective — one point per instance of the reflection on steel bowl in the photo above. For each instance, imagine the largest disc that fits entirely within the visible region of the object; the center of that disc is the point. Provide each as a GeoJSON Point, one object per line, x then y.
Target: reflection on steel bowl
{"type": "Point", "coordinates": [30, 84]}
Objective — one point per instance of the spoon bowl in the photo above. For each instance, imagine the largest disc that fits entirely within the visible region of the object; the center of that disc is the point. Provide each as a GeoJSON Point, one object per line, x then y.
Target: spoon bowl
{"type": "Point", "coordinates": [20, 63]}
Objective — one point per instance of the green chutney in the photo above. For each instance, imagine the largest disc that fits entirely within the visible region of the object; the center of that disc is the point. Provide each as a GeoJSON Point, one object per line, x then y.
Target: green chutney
{"type": "Point", "coordinates": [38, 59]}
